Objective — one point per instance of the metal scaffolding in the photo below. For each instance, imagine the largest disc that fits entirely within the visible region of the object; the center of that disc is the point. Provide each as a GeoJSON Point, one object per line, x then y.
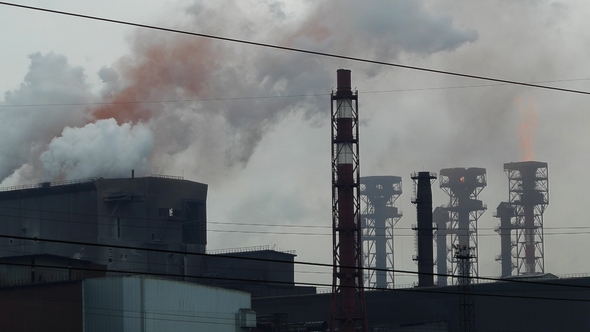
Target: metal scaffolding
{"type": "Point", "coordinates": [528, 184]}
{"type": "Point", "coordinates": [378, 197]}
{"type": "Point", "coordinates": [348, 312]}
{"type": "Point", "coordinates": [463, 185]}
{"type": "Point", "coordinates": [465, 256]}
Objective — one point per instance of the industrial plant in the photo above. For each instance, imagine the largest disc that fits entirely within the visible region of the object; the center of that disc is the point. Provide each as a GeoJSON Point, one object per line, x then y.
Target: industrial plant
{"type": "Point", "coordinates": [130, 254]}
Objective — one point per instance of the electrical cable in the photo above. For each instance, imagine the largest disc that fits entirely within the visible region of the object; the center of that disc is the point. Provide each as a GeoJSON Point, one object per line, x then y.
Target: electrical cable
{"type": "Point", "coordinates": [36, 239]}
{"type": "Point", "coordinates": [272, 97]}
{"type": "Point", "coordinates": [58, 308]}
{"type": "Point", "coordinates": [293, 49]}
{"type": "Point", "coordinates": [84, 215]}
{"type": "Point", "coordinates": [416, 289]}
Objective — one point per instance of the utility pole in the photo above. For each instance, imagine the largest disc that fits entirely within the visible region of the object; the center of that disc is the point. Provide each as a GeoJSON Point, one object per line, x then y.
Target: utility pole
{"type": "Point", "coordinates": [464, 255]}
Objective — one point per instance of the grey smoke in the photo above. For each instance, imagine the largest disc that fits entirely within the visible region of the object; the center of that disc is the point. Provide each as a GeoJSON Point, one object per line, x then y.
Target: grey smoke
{"type": "Point", "coordinates": [193, 94]}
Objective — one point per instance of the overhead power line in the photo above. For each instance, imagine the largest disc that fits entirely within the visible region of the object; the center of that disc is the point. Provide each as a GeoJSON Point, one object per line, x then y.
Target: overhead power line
{"type": "Point", "coordinates": [564, 230]}
{"type": "Point", "coordinates": [241, 225]}
{"type": "Point", "coordinates": [297, 50]}
{"type": "Point", "coordinates": [314, 95]}
{"type": "Point", "coordinates": [229, 256]}
{"type": "Point", "coordinates": [417, 289]}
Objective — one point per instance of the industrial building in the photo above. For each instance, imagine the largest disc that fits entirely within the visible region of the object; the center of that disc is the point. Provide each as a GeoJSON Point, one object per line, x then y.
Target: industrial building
{"type": "Point", "coordinates": [124, 221]}
{"type": "Point", "coordinates": [514, 305]}
{"type": "Point", "coordinates": [90, 243]}
{"type": "Point", "coordinates": [260, 271]}
{"type": "Point", "coordinates": [125, 303]}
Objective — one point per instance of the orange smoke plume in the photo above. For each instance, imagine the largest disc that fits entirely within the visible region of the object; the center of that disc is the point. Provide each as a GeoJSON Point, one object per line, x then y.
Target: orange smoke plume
{"type": "Point", "coordinates": [527, 127]}
{"type": "Point", "coordinates": [177, 67]}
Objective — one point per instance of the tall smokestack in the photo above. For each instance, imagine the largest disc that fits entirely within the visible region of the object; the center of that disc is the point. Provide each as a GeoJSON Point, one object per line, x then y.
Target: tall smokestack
{"type": "Point", "coordinates": [505, 212]}
{"type": "Point", "coordinates": [348, 313]}
{"type": "Point", "coordinates": [440, 219]}
{"type": "Point", "coordinates": [423, 202]}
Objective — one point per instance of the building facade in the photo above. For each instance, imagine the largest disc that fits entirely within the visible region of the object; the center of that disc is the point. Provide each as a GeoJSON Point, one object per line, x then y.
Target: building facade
{"type": "Point", "coordinates": [121, 223]}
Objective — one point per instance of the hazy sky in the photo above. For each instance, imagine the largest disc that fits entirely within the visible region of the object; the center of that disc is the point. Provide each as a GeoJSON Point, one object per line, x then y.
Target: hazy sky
{"type": "Point", "coordinates": [203, 108]}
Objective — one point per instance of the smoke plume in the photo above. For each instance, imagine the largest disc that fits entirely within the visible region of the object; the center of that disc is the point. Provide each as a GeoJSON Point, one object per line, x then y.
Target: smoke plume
{"type": "Point", "coordinates": [527, 127]}
{"type": "Point", "coordinates": [102, 148]}
{"type": "Point", "coordinates": [176, 97]}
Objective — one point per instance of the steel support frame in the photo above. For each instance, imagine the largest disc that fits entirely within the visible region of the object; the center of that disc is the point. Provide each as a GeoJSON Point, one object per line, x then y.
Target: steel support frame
{"type": "Point", "coordinates": [529, 195]}
{"type": "Point", "coordinates": [462, 211]}
{"type": "Point", "coordinates": [465, 255]}
{"type": "Point", "coordinates": [348, 311]}
{"type": "Point", "coordinates": [379, 217]}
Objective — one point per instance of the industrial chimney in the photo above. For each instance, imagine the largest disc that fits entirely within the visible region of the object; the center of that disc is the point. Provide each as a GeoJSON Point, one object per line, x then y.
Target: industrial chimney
{"type": "Point", "coordinates": [440, 218]}
{"type": "Point", "coordinates": [424, 229]}
{"type": "Point", "coordinates": [348, 313]}
{"type": "Point", "coordinates": [505, 212]}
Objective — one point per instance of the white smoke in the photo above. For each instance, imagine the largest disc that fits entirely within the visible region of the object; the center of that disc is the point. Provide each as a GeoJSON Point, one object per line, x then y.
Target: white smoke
{"type": "Point", "coordinates": [37, 111]}
{"type": "Point", "coordinates": [102, 148]}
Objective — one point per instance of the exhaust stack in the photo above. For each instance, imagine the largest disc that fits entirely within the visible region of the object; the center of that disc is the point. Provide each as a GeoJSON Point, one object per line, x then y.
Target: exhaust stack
{"type": "Point", "coordinates": [423, 201]}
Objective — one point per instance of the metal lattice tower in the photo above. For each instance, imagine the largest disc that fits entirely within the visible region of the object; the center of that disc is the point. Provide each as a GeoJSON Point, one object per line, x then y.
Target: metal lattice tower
{"type": "Point", "coordinates": [378, 196]}
{"type": "Point", "coordinates": [465, 256]}
{"type": "Point", "coordinates": [528, 184]}
{"type": "Point", "coordinates": [348, 312]}
{"type": "Point", "coordinates": [463, 185]}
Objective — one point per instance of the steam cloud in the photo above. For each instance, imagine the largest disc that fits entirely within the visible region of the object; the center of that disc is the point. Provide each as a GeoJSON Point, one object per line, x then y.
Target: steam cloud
{"type": "Point", "coordinates": [153, 114]}
{"type": "Point", "coordinates": [102, 147]}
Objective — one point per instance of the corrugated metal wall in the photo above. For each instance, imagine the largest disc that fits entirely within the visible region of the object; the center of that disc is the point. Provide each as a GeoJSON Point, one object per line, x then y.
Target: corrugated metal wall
{"type": "Point", "coordinates": [153, 305]}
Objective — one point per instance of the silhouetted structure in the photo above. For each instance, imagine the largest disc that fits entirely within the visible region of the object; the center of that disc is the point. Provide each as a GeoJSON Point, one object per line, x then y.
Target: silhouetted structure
{"type": "Point", "coordinates": [463, 186]}
{"type": "Point", "coordinates": [378, 196]}
{"type": "Point", "coordinates": [440, 218]}
{"type": "Point", "coordinates": [348, 302]}
{"type": "Point", "coordinates": [528, 184]}
{"type": "Point", "coordinates": [541, 304]}
{"type": "Point", "coordinates": [424, 229]}
{"type": "Point", "coordinates": [464, 255]}
{"type": "Point", "coordinates": [505, 212]}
